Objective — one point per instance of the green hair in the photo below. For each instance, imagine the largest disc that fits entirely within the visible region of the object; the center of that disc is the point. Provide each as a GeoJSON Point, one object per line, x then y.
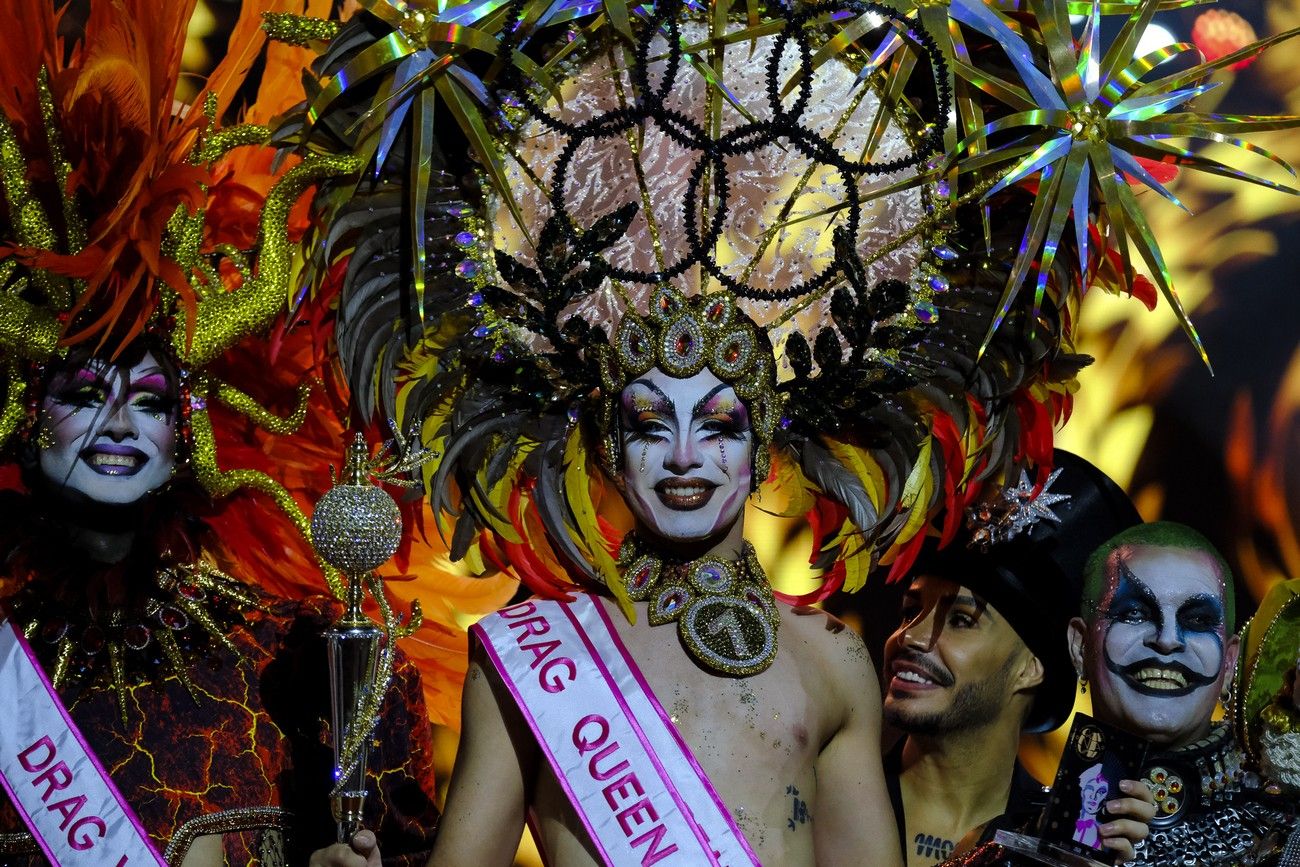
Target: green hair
{"type": "Point", "coordinates": [1157, 534]}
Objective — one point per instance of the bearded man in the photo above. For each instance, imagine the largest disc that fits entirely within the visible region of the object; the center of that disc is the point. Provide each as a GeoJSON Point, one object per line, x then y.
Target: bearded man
{"type": "Point", "coordinates": [971, 667]}
{"type": "Point", "coordinates": [980, 658]}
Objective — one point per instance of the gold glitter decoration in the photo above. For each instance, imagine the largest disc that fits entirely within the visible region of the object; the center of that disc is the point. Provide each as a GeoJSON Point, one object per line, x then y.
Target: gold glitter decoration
{"type": "Point", "coordinates": [73, 222]}
{"type": "Point", "coordinates": [187, 589]}
{"type": "Point", "coordinates": [224, 319]}
{"type": "Point", "coordinates": [299, 30]}
{"type": "Point", "coordinates": [220, 483]}
{"type": "Point", "coordinates": [30, 222]}
{"type": "Point", "coordinates": [218, 144]}
{"type": "Point", "coordinates": [225, 822]}
{"type": "Point", "coordinates": [13, 412]}
{"type": "Point", "coordinates": [30, 331]}
{"type": "Point", "coordinates": [724, 610]}
{"type": "Point", "coordinates": [260, 415]}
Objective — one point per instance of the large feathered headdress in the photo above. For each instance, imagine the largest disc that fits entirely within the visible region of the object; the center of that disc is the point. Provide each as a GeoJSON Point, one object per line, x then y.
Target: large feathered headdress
{"type": "Point", "coordinates": [107, 182]}
{"type": "Point", "coordinates": [800, 159]}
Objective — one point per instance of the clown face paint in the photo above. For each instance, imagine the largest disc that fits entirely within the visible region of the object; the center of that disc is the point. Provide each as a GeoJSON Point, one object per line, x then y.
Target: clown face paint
{"type": "Point", "coordinates": [113, 431]}
{"type": "Point", "coordinates": [1157, 653]}
{"type": "Point", "coordinates": [687, 457]}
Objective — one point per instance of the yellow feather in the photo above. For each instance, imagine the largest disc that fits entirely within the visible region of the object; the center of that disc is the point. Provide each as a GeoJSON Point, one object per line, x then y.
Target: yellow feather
{"type": "Point", "coordinates": [857, 567]}
{"type": "Point", "coordinates": [864, 466]}
{"type": "Point", "coordinates": [788, 494]}
{"type": "Point", "coordinates": [498, 502]}
{"type": "Point", "coordinates": [577, 492]}
{"type": "Point", "coordinates": [917, 492]}
{"type": "Point", "coordinates": [847, 530]}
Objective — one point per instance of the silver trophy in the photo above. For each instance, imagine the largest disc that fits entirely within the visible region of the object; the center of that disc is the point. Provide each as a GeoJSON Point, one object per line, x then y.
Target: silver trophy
{"type": "Point", "coordinates": [355, 528]}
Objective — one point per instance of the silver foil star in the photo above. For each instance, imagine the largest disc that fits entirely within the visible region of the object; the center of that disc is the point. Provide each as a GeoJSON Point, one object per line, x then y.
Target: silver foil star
{"type": "Point", "coordinates": [994, 523]}
{"type": "Point", "coordinates": [1026, 509]}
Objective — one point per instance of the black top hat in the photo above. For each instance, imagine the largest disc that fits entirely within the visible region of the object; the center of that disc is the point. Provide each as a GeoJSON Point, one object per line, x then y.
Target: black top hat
{"type": "Point", "coordinates": [1034, 578]}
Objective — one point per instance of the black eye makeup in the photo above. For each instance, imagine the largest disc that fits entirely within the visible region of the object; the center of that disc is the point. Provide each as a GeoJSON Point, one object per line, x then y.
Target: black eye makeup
{"type": "Point", "coordinates": [1200, 614]}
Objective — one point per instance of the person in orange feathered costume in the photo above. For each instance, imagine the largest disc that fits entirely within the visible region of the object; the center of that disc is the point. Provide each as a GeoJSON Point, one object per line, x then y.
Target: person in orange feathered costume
{"type": "Point", "coordinates": [171, 605]}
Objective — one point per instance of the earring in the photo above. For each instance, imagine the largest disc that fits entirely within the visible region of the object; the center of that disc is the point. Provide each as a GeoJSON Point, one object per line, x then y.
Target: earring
{"type": "Point", "coordinates": [1227, 693]}
{"type": "Point", "coordinates": [1083, 686]}
{"type": "Point", "coordinates": [645, 447]}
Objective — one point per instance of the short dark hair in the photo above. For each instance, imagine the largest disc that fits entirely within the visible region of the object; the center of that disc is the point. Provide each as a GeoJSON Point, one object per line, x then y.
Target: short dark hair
{"type": "Point", "coordinates": [1157, 534]}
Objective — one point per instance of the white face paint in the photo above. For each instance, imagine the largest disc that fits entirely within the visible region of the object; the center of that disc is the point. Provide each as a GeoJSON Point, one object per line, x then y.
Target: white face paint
{"type": "Point", "coordinates": [1158, 652]}
{"type": "Point", "coordinates": [113, 430]}
{"type": "Point", "coordinates": [687, 456]}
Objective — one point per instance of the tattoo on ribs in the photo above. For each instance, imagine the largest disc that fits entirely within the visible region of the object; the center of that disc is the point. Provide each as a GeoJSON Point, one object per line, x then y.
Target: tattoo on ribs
{"type": "Point", "coordinates": [799, 814]}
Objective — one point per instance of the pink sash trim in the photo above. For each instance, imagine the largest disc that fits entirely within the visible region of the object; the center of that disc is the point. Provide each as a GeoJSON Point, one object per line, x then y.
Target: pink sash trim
{"type": "Point", "coordinates": [672, 730]}
{"type": "Point", "coordinates": [665, 778]}
{"type": "Point", "coordinates": [587, 705]}
{"type": "Point", "coordinates": [54, 779]}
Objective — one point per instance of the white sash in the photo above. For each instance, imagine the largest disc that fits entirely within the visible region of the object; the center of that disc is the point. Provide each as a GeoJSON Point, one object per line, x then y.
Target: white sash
{"type": "Point", "coordinates": [62, 792]}
{"type": "Point", "coordinates": [630, 777]}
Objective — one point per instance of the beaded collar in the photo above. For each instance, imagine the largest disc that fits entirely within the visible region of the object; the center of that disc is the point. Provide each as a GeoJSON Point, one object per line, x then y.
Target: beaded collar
{"type": "Point", "coordinates": [724, 610]}
{"type": "Point", "coordinates": [164, 628]}
{"type": "Point", "coordinates": [1206, 814]}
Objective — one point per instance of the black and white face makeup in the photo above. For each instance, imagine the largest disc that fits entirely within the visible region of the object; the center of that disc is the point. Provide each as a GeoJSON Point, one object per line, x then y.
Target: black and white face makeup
{"type": "Point", "coordinates": [1157, 652]}
{"type": "Point", "coordinates": [687, 457]}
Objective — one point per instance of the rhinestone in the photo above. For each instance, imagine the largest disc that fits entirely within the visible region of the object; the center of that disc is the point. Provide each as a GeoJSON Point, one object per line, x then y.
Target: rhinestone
{"type": "Point", "coordinates": [92, 640]}
{"type": "Point", "coordinates": [136, 636]}
{"type": "Point", "coordinates": [467, 269]}
{"type": "Point", "coordinates": [173, 618]}
{"type": "Point", "coordinates": [53, 630]}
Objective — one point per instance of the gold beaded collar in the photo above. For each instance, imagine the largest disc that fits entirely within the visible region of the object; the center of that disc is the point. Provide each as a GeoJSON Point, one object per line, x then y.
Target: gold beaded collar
{"type": "Point", "coordinates": [724, 609]}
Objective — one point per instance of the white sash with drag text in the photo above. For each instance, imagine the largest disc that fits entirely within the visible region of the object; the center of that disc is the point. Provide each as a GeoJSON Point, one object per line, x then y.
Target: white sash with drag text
{"type": "Point", "coordinates": [63, 794]}
{"type": "Point", "coordinates": [631, 778]}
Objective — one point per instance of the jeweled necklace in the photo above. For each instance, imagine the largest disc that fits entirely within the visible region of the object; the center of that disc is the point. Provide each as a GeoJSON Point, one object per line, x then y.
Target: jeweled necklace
{"type": "Point", "coordinates": [165, 630]}
{"type": "Point", "coordinates": [724, 610]}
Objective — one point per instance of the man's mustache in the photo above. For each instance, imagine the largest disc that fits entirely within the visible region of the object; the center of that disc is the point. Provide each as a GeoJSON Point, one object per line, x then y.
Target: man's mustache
{"type": "Point", "coordinates": [939, 675]}
{"type": "Point", "coordinates": [1144, 675]}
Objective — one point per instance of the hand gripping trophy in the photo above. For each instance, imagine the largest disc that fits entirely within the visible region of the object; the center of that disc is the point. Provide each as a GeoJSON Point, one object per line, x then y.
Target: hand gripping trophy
{"type": "Point", "coordinates": [356, 527]}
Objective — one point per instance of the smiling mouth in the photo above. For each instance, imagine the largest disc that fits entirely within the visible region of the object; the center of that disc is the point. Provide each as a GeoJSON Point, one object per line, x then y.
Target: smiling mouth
{"type": "Point", "coordinates": [1166, 680]}
{"type": "Point", "coordinates": [910, 675]}
{"type": "Point", "coordinates": [114, 462]}
{"type": "Point", "coordinates": [684, 495]}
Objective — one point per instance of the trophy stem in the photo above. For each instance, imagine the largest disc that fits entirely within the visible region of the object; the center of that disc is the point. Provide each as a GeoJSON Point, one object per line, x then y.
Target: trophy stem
{"type": "Point", "coordinates": [353, 644]}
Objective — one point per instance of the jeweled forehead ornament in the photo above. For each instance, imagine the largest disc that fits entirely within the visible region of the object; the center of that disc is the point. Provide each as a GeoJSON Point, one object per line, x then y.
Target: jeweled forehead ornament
{"type": "Point", "coordinates": [682, 336]}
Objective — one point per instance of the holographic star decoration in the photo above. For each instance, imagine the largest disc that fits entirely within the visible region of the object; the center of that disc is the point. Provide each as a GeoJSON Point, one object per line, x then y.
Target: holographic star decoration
{"type": "Point", "coordinates": [1027, 509]}
{"type": "Point", "coordinates": [1020, 509]}
{"type": "Point", "coordinates": [1078, 126]}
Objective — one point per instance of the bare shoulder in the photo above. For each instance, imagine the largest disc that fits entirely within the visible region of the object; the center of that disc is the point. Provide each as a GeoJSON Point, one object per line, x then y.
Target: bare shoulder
{"type": "Point", "coordinates": [829, 644]}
